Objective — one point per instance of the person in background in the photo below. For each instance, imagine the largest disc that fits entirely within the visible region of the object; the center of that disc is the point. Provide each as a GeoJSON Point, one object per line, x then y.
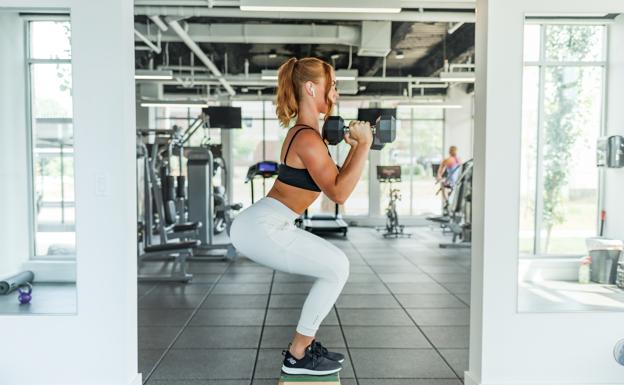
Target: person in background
{"type": "Point", "coordinates": [448, 172]}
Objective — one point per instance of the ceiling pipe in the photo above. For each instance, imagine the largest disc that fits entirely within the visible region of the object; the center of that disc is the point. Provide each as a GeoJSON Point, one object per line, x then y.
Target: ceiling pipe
{"type": "Point", "coordinates": [158, 21]}
{"type": "Point", "coordinates": [413, 16]}
{"type": "Point", "coordinates": [147, 41]}
{"type": "Point", "coordinates": [256, 33]}
{"type": "Point", "coordinates": [201, 55]}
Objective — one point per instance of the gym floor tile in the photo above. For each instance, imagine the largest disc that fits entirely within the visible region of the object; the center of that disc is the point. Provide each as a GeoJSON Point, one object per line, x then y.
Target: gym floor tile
{"type": "Point", "coordinates": [207, 267]}
{"type": "Point", "coordinates": [443, 269]}
{"type": "Point", "coordinates": [385, 337]}
{"type": "Point", "coordinates": [405, 278]}
{"type": "Point", "coordinates": [206, 364]}
{"type": "Point", "coordinates": [292, 278]}
{"type": "Point", "coordinates": [204, 278]}
{"type": "Point", "coordinates": [270, 362]}
{"type": "Point", "coordinates": [148, 359]}
{"type": "Point", "coordinates": [458, 288]}
{"type": "Point", "coordinates": [163, 317]}
{"type": "Point", "coordinates": [363, 278]}
{"type": "Point", "coordinates": [448, 336]}
{"type": "Point", "coordinates": [249, 269]}
{"type": "Point", "coordinates": [241, 288]}
{"type": "Point", "coordinates": [440, 317]}
{"type": "Point", "coordinates": [343, 381]}
{"type": "Point", "coordinates": [411, 381]}
{"type": "Point", "coordinates": [181, 288]}
{"type": "Point", "coordinates": [372, 301]}
{"type": "Point", "coordinates": [374, 317]}
{"type": "Point", "coordinates": [465, 298]}
{"type": "Point", "coordinates": [246, 278]}
{"type": "Point", "coordinates": [287, 300]}
{"type": "Point", "coordinates": [429, 301]}
{"type": "Point", "coordinates": [417, 288]}
{"type": "Point", "coordinates": [181, 301]}
{"type": "Point", "coordinates": [457, 358]}
{"type": "Point", "coordinates": [198, 382]}
{"type": "Point", "coordinates": [226, 301]}
{"type": "Point", "coordinates": [156, 337]}
{"type": "Point", "coordinates": [143, 288]}
{"type": "Point", "coordinates": [359, 269]}
{"type": "Point", "coordinates": [397, 269]}
{"type": "Point", "coordinates": [399, 363]}
{"type": "Point", "coordinates": [290, 317]}
{"type": "Point", "coordinates": [451, 278]}
{"type": "Point", "coordinates": [291, 288]}
{"type": "Point", "coordinates": [219, 337]}
{"type": "Point", "coordinates": [228, 317]}
{"type": "Point", "coordinates": [365, 288]}
{"type": "Point", "coordinates": [279, 337]}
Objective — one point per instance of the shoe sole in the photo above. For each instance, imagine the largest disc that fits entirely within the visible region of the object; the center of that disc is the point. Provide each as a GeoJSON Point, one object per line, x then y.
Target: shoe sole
{"type": "Point", "coordinates": [288, 370]}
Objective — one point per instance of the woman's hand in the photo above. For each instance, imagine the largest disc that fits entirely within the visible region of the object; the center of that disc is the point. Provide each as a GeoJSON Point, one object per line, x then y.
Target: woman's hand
{"type": "Point", "coordinates": [361, 132]}
{"type": "Point", "coordinates": [350, 141]}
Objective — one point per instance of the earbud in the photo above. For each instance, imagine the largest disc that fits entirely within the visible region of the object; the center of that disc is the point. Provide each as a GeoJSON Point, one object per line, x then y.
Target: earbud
{"type": "Point", "coordinates": [313, 91]}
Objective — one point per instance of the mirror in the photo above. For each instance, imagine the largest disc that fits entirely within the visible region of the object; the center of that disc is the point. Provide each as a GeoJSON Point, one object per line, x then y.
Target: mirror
{"type": "Point", "coordinates": [38, 255]}
{"type": "Point", "coordinates": [570, 239]}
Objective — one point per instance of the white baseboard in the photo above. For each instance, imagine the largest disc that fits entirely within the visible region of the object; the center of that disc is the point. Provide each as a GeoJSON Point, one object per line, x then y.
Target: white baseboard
{"type": "Point", "coordinates": [470, 379]}
{"type": "Point", "coordinates": [137, 380]}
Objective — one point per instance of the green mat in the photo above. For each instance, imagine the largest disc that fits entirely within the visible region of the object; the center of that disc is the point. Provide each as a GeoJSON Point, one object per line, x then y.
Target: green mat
{"type": "Point", "coordinates": [304, 378]}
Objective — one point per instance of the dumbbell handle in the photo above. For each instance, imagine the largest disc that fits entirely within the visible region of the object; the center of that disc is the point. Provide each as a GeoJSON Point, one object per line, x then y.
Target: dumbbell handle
{"type": "Point", "coordinates": [373, 129]}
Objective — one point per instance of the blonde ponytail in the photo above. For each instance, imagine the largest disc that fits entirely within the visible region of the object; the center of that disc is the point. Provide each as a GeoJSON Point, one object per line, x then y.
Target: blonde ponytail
{"type": "Point", "coordinates": [290, 77]}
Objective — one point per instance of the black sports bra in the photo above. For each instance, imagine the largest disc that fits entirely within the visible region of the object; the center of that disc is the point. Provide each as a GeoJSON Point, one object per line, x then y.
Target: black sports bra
{"type": "Point", "coordinates": [297, 177]}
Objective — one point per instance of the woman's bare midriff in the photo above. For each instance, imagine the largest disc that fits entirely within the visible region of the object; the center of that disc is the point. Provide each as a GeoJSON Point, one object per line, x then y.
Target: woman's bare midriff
{"type": "Point", "coordinates": [295, 198]}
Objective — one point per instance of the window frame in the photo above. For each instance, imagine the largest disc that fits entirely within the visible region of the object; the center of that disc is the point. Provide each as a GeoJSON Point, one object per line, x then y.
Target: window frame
{"type": "Point", "coordinates": [542, 65]}
{"type": "Point", "coordinates": [29, 61]}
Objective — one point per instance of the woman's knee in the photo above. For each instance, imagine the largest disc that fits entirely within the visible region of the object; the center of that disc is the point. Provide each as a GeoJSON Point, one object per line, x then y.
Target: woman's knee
{"type": "Point", "coordinates": [342, 266]}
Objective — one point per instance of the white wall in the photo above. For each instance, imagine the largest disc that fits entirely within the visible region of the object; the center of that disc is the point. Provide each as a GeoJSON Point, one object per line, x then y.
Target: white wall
{"type": "Point", "coordinates": [14, 202]}
{"type": "Point", "coordinates": [508, 347]}
{"type": "Point", "coordinates": [614, 178]}
{"type": "Point", "coordinates": [458, 123]}
{"type": "Point", "coordinates": [99, 344]}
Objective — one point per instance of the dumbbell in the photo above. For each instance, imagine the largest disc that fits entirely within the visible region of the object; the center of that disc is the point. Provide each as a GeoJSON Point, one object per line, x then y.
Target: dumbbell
{"type": "Point", "coordinates": [384, 131]}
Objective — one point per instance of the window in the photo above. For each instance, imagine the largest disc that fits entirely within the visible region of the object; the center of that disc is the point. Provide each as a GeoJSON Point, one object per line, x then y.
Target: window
{"type": "Point", "coordinates": [418, 144]}
{"type": "Point", "coordinates": [562, 118]}
{"type": "Point", "coordinates": [52, 138]}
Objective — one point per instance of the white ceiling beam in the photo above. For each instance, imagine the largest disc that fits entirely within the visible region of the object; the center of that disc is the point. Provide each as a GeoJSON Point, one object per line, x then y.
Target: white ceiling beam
{"type": "Point", "coordinates": [413, 16]}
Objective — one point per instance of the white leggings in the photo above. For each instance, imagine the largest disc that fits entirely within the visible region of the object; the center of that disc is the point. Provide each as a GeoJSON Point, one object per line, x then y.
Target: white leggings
{"type": "Point", "coordinates": [265, 233]}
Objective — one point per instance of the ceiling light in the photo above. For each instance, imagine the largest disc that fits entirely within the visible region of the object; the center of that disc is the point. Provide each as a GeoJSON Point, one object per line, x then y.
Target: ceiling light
{"type": "Point", "coordinates": [272, 54]}
{"type": "Point", "coordinates": [268, 75]}
{"type": "Point", "coordinates": [399, 55]}
{"type": "Point", "coordinates": [362, 88]}
{"type": "Point", "coordinates": [335, 56]}
{"type": "Point", "coordinates": [174, 103]}
{"type": "Point", "coordinates": [460, 77]}
{"type": "Point", "coordinates": [153, 74]}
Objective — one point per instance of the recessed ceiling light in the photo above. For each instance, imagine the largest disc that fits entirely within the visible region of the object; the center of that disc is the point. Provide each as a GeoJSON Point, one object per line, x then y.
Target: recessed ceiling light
{"type": "Point", "coordinates": [335, 56]}
{"type": "Point", "coordinates": [399, 55]}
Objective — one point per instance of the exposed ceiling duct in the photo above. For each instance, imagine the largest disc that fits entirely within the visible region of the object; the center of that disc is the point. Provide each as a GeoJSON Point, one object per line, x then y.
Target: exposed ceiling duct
{"type": "Point", "coordinates": [375, 38]}
{"type": "Point", "coordinates": [413, 16]}
{"type": "Point", "coordinates": [369, 6]}
{"type": "Point", "coordinates": [263, 33]}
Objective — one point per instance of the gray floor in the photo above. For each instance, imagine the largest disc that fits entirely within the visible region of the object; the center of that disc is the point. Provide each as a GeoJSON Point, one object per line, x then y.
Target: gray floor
{"type": "Point", "coordinates": [402, 317]}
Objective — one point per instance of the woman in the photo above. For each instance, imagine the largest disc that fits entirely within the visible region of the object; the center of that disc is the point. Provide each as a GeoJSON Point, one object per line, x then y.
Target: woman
{"type": "Point", "coordinates": [449, 170]}
{"type": "Point", "coordinates": [265, 232]}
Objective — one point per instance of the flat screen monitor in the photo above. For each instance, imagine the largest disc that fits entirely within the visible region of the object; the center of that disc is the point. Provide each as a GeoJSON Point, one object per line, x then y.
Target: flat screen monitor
{"type": "Point", "coordinates": [225, 117]}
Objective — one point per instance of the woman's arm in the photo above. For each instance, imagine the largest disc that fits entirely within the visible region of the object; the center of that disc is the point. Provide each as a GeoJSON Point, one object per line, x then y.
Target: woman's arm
{"type": "Point", "coordinates": [336, 185]}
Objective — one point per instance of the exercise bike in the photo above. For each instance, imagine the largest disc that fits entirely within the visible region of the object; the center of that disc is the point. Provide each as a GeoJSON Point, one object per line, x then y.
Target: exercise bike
{"type": "Point", "coordinates": [390, 174]}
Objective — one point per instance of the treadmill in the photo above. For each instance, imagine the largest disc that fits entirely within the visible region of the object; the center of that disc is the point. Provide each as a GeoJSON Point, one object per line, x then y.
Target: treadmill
{"type": "Point", "coordinates": [265, 169]}
{"type": "Point", "coordinates": [324, 223]}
